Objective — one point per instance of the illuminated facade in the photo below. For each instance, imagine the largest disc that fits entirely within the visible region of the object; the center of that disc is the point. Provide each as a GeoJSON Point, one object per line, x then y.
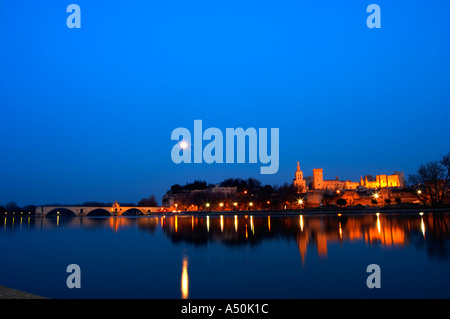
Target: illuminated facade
{"type": "Point", "coordinates": [394, 180]}
{"type": "Point", "coordinates": [318, 183]}
{"type": "Point", "coordinates": [299, 182]}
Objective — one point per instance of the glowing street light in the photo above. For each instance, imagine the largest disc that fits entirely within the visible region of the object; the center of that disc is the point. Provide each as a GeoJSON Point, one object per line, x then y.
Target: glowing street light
{"type": "Point", "coordinates": [419, 191]}
{"type": "Point", "coordinates": [207, 205]}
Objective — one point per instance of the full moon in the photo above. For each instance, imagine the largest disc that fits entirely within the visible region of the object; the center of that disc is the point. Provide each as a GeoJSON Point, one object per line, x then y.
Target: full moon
{"type": "Point", "coordinates": [184, 145]}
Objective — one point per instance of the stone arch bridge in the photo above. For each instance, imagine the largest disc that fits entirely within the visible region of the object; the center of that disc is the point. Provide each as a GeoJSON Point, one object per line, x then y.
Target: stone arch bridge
{"type": "Point", "coordinates": [94, 211]}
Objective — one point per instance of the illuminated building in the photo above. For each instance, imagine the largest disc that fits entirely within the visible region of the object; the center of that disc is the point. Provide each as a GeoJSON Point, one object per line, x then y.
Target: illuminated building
{"type": "Point", "coordinates": [299, 182]}
{"type": "Point", "coordinates": [318, 183]}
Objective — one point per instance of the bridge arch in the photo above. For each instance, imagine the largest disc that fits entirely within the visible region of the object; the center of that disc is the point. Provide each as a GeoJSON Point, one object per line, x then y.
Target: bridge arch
{"type": "Point", "coordinates": [61, 212]}
{"type": "Point", "coordinates": [99, 212]}
{"type": "Point", "coordinates": [133, 211]}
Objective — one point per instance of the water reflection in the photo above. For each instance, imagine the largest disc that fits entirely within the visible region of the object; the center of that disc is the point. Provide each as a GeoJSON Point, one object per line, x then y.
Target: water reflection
{"type": "Point", "coordinates": [422, 226]}
{"type": "Point", "coordinates": [430, 230]}
{"type": "Point", "coordinates": [9, 223]}
{"type": "Point", "coordinates": [185, 279]}
{"type": "Point", "coordinates": [317, 232]}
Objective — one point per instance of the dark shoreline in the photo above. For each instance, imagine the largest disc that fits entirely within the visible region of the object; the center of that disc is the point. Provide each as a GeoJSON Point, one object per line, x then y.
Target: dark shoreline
{"type": "Point", "coordinates": [292, 212]}
{"type": "Point", "coordinates": [10, 293]}
{"type": "Point", "coordinates": [311, 211]}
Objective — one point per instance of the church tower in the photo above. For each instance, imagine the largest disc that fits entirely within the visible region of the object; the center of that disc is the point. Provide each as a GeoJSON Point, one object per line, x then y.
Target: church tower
{"type": "Point", "coordinates": [299, 182]}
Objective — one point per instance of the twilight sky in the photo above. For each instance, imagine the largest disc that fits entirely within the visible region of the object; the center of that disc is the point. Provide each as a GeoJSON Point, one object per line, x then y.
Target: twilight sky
{"type": "Point", "coordinates": [87, 114]}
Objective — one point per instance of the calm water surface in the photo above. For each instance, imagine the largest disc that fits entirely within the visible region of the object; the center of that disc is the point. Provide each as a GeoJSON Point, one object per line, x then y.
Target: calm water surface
{"type": "Point", "coordinates": [276, 256]}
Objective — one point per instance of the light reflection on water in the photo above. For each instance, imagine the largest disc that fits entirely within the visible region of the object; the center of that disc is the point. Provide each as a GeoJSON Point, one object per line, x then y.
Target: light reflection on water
{"type": "Point", "coordinates": [185, 279]}
{"type": "Point", "coordinates": [249, 256]}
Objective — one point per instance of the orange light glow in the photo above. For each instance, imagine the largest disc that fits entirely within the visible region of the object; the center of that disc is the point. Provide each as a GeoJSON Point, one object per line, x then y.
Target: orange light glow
{"type": "Point", "coordinates": [185, 280]}
{"type": "Point", "coordinates": [176, 223]}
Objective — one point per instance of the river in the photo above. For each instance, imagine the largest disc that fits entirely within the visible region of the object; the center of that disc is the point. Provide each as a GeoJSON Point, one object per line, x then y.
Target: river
{"type": "Point", "coordinates": [229, 256]}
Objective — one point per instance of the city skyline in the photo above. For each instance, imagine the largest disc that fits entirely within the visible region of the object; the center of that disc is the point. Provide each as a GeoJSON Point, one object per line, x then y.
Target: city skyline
{"type": "Point", "coordinates": [373, 179]}
{"type": "Point", "coordinates": [291, 181]}
{"type": "Point", "coordinates": [87, 113]}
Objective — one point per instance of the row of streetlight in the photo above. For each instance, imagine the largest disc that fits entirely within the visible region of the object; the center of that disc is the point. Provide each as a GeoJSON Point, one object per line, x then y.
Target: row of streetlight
{"type": "Point", "coordinates": [236, 204]}
{"type": "Point", "coordinates": [21, 213]}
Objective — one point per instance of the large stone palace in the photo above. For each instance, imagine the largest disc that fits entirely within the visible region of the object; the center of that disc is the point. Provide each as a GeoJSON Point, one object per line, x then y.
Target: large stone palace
{"type": "Point", "coordinates": [316, 182]}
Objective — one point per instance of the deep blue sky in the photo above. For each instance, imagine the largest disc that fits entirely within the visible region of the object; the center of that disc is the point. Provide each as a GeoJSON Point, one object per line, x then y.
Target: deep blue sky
{"type": "Point", "coordinates": [86, 114]}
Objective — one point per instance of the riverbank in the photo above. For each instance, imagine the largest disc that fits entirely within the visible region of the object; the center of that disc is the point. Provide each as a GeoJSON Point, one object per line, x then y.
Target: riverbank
{"type": "Point", "coordinates": [9, 293]}
{"type": "Point", "coordinates": [317, 211]}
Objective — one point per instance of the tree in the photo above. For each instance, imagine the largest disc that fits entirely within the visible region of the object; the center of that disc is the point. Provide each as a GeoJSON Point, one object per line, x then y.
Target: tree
{"type": "Point", "coordinates": [195, 185]}
{"type": "Point", "coordinates": [175, 189]}
{"type": "Point", "coordinates": [328, 197]}
{"type": "Point", "coordinates": [287, 193]}
{"type": "Point", "coordinates": [29, 209]}
{"type": "Point", "coordinates": [148, 202]}
{"type": "Point", "coordinates": [12, 207]}
{"type": "Point", "coordinates": [341, 202]}
{"type": "Point", "coordinates": [431, 181]}
{"type": "Point", "coordinates": [199, 199]}
{"type": "Point", "coordinates": [387, 201]}
{"type": "Point", "coordinates": [264, 194]}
